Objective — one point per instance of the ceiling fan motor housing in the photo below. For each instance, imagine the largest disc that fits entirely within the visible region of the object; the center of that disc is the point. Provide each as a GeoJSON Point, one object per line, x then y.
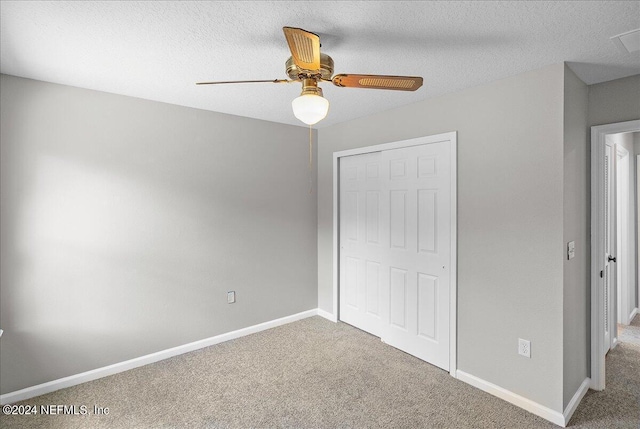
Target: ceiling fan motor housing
{"type": "Point", "coordinates": [325, 71]}
{"type": "Point", "coordinates": [310, 87]}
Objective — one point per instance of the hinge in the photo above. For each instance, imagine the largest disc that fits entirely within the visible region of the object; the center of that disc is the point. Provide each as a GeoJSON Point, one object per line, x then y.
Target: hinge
{"type": "Point", "coordinates": [601, 274]}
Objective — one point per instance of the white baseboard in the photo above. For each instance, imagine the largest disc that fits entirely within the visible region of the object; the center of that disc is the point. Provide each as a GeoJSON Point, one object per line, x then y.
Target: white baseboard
{"type": "Point", "coordinates": [61, 383]}
{"type": "Point", "coordinates": [575, 401]}
{"type": "Point", "coordinates": [517, 400]}
{"type": "Point", "coordinates": [327, 315]}
{"type": "Point", "coordinates": [632, 315]}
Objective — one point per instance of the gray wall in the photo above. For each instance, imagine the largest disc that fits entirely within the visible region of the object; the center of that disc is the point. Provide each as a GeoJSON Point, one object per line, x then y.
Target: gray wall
{"type": "Point", "coordinates": [614, 101]}
{"type": "Point", "coordinates": [124, 222]}
{"type": "Point", "coordinates": [577, 228]}
{"type": "Point", "coordinates": [510, 221]}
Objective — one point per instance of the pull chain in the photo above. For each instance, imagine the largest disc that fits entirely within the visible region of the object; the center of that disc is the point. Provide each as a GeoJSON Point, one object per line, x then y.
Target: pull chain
{"type": "Point", "coordinates": [310, 161]}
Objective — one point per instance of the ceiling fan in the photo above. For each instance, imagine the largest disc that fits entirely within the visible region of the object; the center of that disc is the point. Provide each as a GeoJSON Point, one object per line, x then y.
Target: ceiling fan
{"type": "Point", "coordinates": [309, 66]}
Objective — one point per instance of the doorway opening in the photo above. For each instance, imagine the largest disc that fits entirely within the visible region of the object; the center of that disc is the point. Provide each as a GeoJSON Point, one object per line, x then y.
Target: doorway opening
{"type": "Point", "coordinates": [614, 238]}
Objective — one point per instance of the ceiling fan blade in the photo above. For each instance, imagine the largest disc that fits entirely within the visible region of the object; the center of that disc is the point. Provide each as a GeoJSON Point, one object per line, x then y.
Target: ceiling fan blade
{"type": "Point", "coordinates": [399, 83]}
{"type": "Point", "coordinates": [246, 81]}
{"type": "Point", "coordinates": [304, 46]}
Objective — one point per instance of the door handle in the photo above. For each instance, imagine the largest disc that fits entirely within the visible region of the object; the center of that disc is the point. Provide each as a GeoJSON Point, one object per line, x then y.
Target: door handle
{"type": "Point", "coordinates": [612, 258]}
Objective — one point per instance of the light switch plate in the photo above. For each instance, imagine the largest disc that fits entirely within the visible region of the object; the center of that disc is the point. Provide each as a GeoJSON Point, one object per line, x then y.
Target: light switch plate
{"type": "Point", "coordinates": [571, 250]}
{"type": "Point", "coordinates": [231, 297]}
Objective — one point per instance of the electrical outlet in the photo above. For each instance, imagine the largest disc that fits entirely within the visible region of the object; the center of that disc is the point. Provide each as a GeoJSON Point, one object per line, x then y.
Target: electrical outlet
{"type": "Point", "coordinates": [571, 250]}
{"type": "Point", "coordinates": [231, 297]}
{"type": "Point", "coordinates": [524, 348]}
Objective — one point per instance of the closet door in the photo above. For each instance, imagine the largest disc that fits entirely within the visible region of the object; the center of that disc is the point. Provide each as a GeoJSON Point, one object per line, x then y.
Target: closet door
{"type": "Point", "coordinates": [362, 241]}
{"type": "Point", "coordinates": [395, 229]}
{"type": "Point", "coordinates": [419, 250]}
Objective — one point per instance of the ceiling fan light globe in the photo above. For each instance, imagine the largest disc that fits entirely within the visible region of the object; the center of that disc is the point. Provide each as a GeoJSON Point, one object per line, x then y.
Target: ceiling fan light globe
{"type": "Point", "coordinates": [310, 108]}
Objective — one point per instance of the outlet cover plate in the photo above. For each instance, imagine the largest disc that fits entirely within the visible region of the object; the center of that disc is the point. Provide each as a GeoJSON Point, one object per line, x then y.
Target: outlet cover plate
{"type": "Point", "coordinates": [524, 348]}
{"type": "Point", "coordinates": [571, 250]}
{"type": "Point", "coordinates": [231, 297]}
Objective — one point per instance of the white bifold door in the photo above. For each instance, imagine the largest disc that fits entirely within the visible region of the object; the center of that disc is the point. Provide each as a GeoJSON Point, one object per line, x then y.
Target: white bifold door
{"type": "Point", "coordinates": [395, 247]}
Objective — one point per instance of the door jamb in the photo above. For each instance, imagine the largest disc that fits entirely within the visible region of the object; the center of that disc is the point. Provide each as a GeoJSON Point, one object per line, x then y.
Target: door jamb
{"type": "Point", "coordinates": [452, 137]}
{"type": "Point", "coordinates": [598, 135]}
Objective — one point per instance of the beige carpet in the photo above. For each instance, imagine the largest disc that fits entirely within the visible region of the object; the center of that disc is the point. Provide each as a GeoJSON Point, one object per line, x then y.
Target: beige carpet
{"type": "Point", "coordinates": [631, 333]}
{"type": "Point", "coordinates": [317, 374]}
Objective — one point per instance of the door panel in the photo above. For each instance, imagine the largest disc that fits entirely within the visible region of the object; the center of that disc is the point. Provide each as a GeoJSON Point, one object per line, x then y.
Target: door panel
{"type": "Point", "coordinates": [425, 256]}
{"type": "Point", "coordinates": [427, 220]}
{"type": "Point", "coordinates": [373, 217]}
{"type": "Point", "coordinates": [398, 201]}
{"type": "Point", "coordinates": [395, 270]}
{"type": "Point", "coordinates": [361, 238]}
{"type": "Point", "coordinates": [398, 298]}
{"type": "Point", "coordinates": [609, 244]}
{"type": "Point", "coordinates": [373, 289]}
{"type": "Point", "coordinates": [427, 306]}
{"type": "Point", "coordinates": [351, 281]}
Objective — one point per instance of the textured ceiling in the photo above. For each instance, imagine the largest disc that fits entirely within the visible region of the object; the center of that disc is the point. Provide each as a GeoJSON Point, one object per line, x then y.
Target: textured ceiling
{"type": "Point", "coordinates": [158, 50]}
